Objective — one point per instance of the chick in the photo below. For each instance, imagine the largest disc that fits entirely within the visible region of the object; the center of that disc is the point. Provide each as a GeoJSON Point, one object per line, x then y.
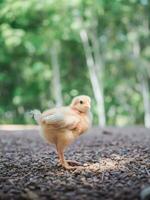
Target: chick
{"type": "Point", "coordinates": [61, 126]}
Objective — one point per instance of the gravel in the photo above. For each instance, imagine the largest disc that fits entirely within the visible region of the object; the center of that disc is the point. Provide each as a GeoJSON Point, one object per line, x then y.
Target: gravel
{"type": "Point", "coordinates": [116, 166]}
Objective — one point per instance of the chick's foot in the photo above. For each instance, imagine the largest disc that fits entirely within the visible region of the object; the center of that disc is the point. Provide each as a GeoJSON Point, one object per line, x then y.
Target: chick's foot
{"type": "Point", "coordinates": [73, 162]}
{"type": "Point", "coordinates": [69, 167]}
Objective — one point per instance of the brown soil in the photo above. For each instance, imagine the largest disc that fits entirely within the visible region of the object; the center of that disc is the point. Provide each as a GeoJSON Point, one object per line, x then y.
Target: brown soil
{"type": "Point", "coordinates": [116, 166]}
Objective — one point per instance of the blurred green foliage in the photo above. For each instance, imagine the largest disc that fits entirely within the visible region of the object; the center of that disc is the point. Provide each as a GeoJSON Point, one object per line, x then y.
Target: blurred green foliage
{"type": "Point", "coordinates": [27, 31]}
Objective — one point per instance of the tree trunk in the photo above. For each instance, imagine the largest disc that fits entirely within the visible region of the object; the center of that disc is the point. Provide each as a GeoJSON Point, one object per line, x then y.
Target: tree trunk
{"type": "Point", "coordinates": [146, 102]}
{"type": "Point", "coordinates": [98, 93]}
{"type": "Point", "coordinates": [56, 83]}
{"type": "Point", "coordinates": [144, 84]}
{"type": "Point", "coordinates": [99, 68]}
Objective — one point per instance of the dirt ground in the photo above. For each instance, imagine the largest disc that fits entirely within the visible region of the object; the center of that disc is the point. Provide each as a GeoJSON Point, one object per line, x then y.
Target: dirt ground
{"type": "Point", "coordinates": [116, 166]}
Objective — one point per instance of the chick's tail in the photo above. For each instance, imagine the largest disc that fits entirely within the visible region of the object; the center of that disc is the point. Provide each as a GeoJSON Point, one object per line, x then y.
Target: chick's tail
{"type": "Point", "coordinates": [37, 115]}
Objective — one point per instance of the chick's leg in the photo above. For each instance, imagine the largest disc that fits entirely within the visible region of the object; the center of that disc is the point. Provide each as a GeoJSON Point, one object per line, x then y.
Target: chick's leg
{"type": "Point", "coordinates": [63, 162]}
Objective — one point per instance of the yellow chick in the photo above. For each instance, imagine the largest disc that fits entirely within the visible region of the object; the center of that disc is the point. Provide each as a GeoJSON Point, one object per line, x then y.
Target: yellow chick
{"type": "Point", "coordinates": [61, 126]}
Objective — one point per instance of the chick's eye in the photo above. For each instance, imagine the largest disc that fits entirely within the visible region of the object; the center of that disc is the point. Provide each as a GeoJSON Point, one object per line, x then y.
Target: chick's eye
{"type": "Point", "coordinates": [81, 102]}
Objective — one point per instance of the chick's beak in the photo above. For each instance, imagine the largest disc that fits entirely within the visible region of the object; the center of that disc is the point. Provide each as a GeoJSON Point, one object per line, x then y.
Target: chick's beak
{"type": "Point", "coordinates": [88, 105]}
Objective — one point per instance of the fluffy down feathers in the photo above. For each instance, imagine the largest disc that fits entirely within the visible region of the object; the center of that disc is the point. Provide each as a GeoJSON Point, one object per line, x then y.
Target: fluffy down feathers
{"type": "Point", "coordinates": [61, 126]}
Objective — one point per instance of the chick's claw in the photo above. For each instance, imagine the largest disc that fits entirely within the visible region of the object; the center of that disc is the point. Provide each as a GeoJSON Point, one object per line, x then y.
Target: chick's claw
{"type": "Point", "coordinates": [74, 163]}
{"type": "Point", "coordinates": [69, 167]}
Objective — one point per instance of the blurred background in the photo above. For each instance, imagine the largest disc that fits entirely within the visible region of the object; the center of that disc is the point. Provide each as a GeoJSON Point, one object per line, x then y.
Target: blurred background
{"type": "Point", "coordinates": [53, 50]}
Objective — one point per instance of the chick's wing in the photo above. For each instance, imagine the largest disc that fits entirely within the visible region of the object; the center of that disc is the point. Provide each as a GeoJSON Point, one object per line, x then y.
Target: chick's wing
{"type": "Point", "coordinates": [60, 118]}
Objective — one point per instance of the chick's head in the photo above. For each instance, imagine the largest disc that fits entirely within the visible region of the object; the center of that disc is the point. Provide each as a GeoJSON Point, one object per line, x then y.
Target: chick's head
{"type": "Point", "coordinates": [81, 103]}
